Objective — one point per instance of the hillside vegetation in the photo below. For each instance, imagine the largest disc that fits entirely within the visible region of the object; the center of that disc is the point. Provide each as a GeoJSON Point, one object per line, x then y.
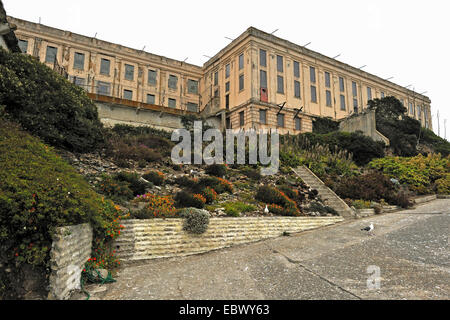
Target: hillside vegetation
{"type": "Point", "coordinates": [47, 105]}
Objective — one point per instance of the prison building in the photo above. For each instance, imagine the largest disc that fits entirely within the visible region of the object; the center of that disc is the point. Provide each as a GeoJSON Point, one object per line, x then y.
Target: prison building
{"type": "Point", "coordinates": [258, 81]}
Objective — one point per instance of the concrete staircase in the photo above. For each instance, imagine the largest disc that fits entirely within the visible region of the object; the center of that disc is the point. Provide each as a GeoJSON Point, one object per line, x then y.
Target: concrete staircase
{"type": "Point", "coordinates": [326, 194]}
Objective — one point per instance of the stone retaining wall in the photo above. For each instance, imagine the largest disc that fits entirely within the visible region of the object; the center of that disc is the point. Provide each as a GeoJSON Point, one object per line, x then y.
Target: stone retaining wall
{"type": "Point", "coordinates": [424, 199]}
{"type": "Point", "coordinates": [160, 238]}
{"type": "Point", "coordinates": [71, 249]}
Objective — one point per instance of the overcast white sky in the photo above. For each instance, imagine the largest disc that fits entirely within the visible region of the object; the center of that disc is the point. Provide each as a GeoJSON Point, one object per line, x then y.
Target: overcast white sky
{"type": "Point", "coordinates": [404, 39]}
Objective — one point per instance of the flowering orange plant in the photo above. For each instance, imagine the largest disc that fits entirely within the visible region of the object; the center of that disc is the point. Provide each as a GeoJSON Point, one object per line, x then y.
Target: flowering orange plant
{"type": "Point", "coordinates": [200, 198]}
{"type": "Point", "coordinates": [210, 194]}
{"type": "Point", "coordinates": [158, 206]}
{"type": "Point", "coordinates": [227, 185]}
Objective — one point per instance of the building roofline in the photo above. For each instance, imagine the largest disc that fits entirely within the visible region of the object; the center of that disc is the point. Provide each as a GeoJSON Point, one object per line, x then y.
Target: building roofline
{"type": "Point", "coordinates": [252, 31]}
{"type": "Point", "coordinates": [99, 42]}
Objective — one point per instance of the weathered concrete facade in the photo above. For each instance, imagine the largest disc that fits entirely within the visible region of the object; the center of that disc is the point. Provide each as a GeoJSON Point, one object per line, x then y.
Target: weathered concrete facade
{"type": "Point", "coordinates": [365, 122]}
{"type": "Point", "coordinates": [244, 85]}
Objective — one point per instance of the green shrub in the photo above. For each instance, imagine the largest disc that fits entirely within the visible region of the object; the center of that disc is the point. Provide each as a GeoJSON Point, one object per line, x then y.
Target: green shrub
{"type": "Point", "coordinates": [418, 173]}
{"type": "Point", "coordinates": [402, 199]}
{"type": "Point", "coordinates": [283, 211]}
{"type": "Point", "coordinates": [435, 142]}
{"type": "Point", "coordinates": [318, 207]}
{"type": "Point", "coordinates": [325, 125]}
{"type": "Point", "coordinates": [196, 221]}
{"type": "Point", "coordinates": [254, 174]}
{"type": "Point", "coordinates": [185, 199]}
{"type": "Point", "coordinates": [122, 150]}
{"type": "Point", "coordinates": [218, 170]}
{"type": "Point", "coordinates": [47, 105]}
{"type": "Point", "coordinates": [118, 191]}
{"type": "Point", "coordinates": [210, 195]}
{"type": "Point", "coordinates": [443, 184]}
{"type": "Point", "coordinates": [373, 186]}
{"type": "Point", "coordinates": [234, 209]}
{"type": "Point", "coordinates": [39, 192]}
{"type": "Point", "coordinates": [273, 196]}
{"type": "Point", "coordinates": [185, 181]}
{"type": "Point", "coordinates": [362, 148]}
{"type": "Point", "coordinates": [156, 177]}
{"type": "Point", "coordinates": [361, 204]}
{"type": "Point", "coordinates": [218, 184]}
{"type": "Point", "coordinates": [127, 130]}
{"type": "Point", "coordinates": [135, 183]}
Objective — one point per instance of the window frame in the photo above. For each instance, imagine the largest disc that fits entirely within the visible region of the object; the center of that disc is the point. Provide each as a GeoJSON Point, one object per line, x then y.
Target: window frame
{"type": "Point", "coordinates": [313, 95]}
{"type": "Point", "coordinates": [75, 62]}
{"type": "Point", "coordinates": [296, 66]}
{"type": "Point", "coordinates": [343, 104]}
{"type": "Point", "coordinates": [102, 60]}
{"type": "Point", "coordinates": [170, 101]}
{"type": "Point", "coordinates": [126, 91]}
{"type": "Point", "coordinates": [297, 87]}
{"type": "Point", "coordinates": [47, 54]}
{"type": "Point", "coordinates": [283, 117]}
{"type": "Point", "coordinates": [328, 98]}
{"type": "Point", "coordinates": [280, 64]}
{"type": "Point", "coordinates": [278, 84]}
{"type": "Point", "coordinates": [150, 72]}
{"type": "Point", "coordinates": [128, 67]}
{"type": "Point", "coordinates": [151, 95]}
{"type": "Point", "coordinates": [172, 80]}
{"type": "Point", "coordinates": [21, 47]}
{"type": "Point", "coordinates": [260, 58]}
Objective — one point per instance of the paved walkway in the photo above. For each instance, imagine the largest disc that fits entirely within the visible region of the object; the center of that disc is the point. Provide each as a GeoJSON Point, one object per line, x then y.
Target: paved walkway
{"type": "Point", "coordinates": [410, 248]}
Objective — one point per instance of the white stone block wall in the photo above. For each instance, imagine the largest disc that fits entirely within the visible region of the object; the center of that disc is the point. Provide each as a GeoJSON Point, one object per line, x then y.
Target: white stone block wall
{"type": "Point", "coordinates": [71, 249]}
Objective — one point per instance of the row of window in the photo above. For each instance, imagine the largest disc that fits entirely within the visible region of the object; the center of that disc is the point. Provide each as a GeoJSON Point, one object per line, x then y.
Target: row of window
{"type": "Point", "coordinates": [263, 119]}
{"type": "Point", "coordinates": [172, 103]}
{"type": "Point", "coordinates": [105, 68]}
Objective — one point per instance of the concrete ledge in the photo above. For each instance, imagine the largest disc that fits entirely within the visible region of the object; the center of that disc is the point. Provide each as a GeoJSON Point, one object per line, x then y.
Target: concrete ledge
{"type": "Point", "coordinates": [425, 199]}
{"type": "Point", "coordinates": [159, 238]}
{"type": "Point", "coordinates": [443, 196]}
{"type": "Point", "coordinates": [362, 213]}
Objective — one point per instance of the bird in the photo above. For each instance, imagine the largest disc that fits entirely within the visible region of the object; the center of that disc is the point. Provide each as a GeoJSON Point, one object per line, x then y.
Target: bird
{"type": "Point", "coordinates": [266, 210]}
{"type": "Point", "coordinates": [194, 173]}
{"type": "Point", "coordinates": [369, 229]}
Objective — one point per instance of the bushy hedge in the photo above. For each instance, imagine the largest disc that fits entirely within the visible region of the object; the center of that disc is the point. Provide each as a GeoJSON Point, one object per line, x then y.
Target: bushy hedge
{"type": "Point", "coordinates": [38, 193]}
{"type": "Point", "coordinates": [196, 221]}
{"type": "Point", "coordinates": [217, 170]}
{"type": "Point", "coordinates": [47, 105]}
{"type": "Point", "coordinates": [372, 186]}
{"type": "Point", "coordinates": [325, 125]}
{"type": "Point", "coordinates": [155, 177]}
{"type": "Point", "coordinates": [155, 207]}
{"type": "Point", "coordinates": [362, 148]}
{"type": "Point", "coordinates": [435, 142]}
{"type": "Point", "coordinates": [280, 203]}
{"type": "Point", "coordinates": [185, 199]}
{"type": "Point", "coordinates": [421, 174]}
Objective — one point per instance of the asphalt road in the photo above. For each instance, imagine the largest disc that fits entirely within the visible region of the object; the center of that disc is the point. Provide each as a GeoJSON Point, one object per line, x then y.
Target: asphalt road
{"type": "Point", "coordinates": [406, 258]}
